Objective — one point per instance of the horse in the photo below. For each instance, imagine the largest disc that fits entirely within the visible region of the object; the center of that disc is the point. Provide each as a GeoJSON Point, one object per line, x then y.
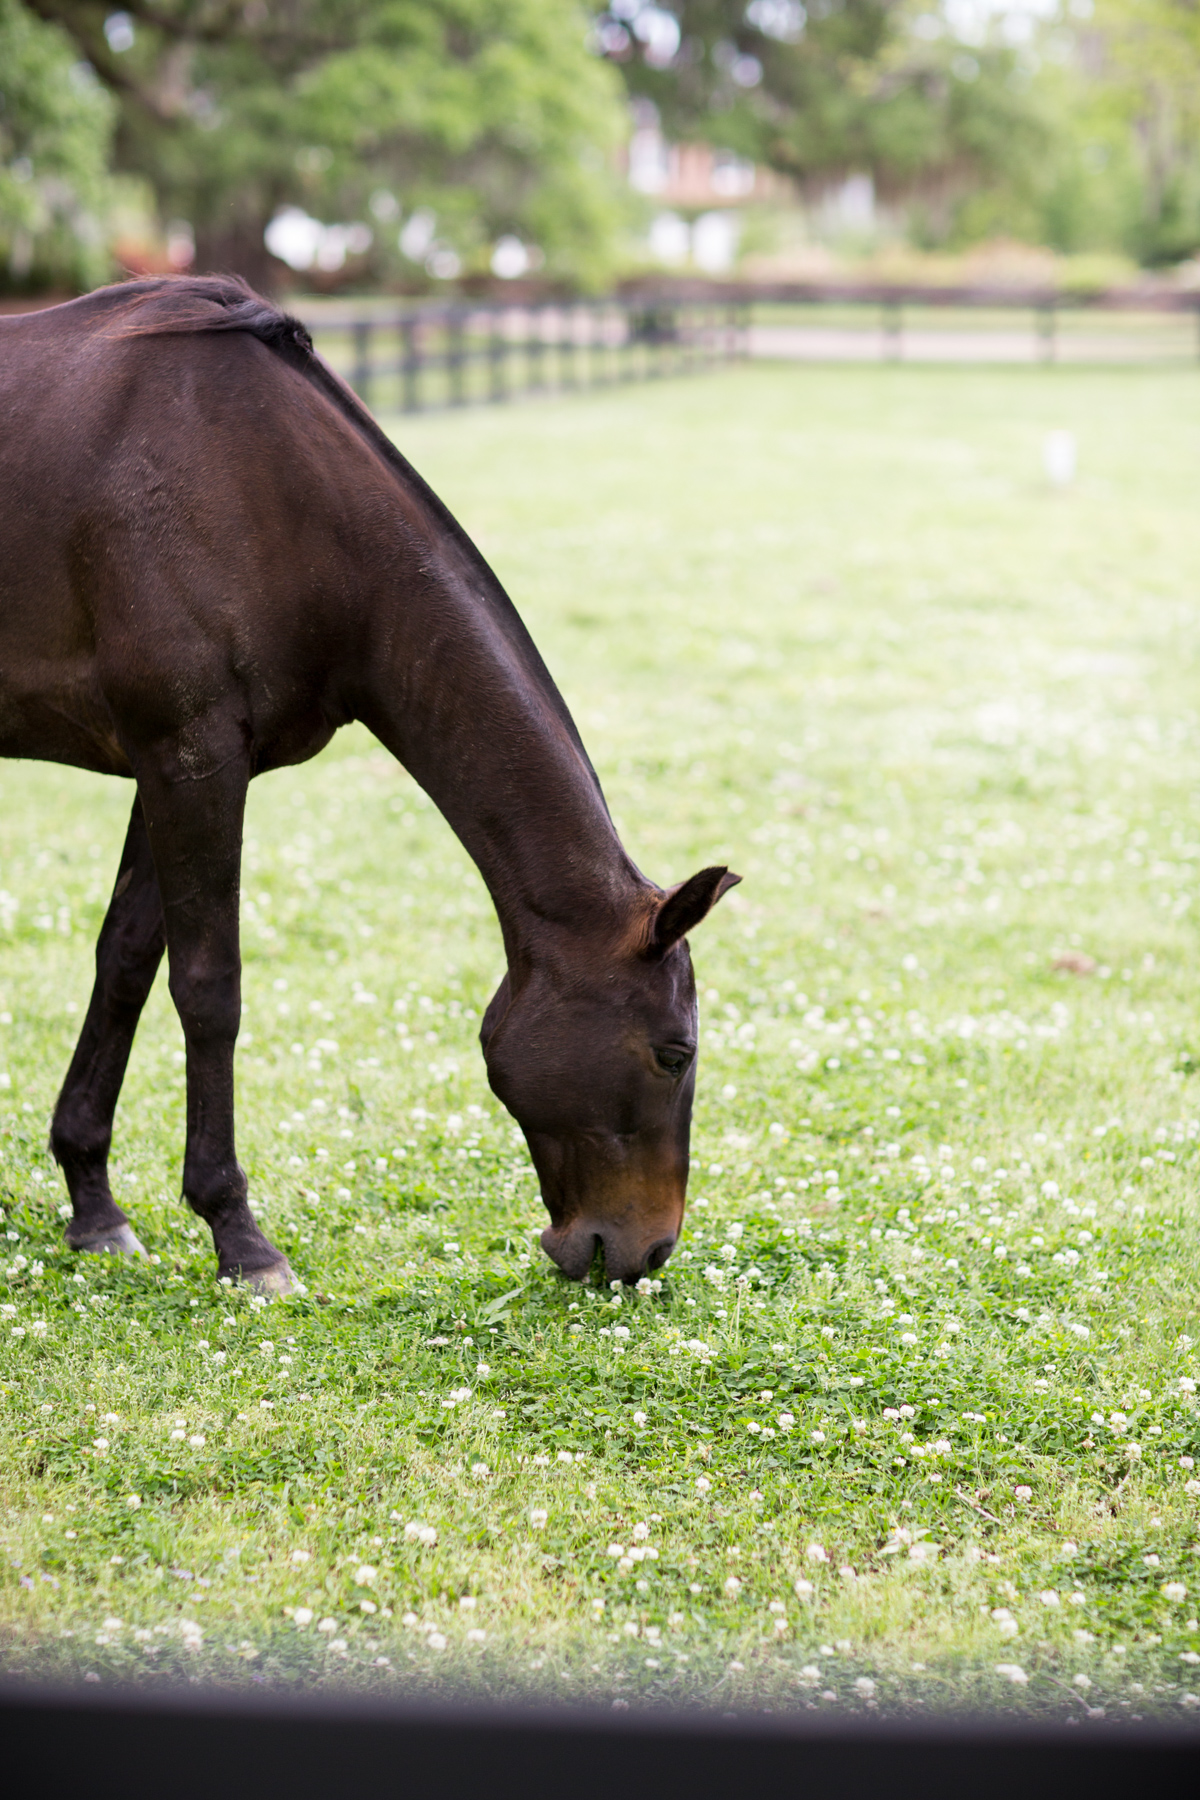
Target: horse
{"type": "Point", "coordinates": [213, 558]}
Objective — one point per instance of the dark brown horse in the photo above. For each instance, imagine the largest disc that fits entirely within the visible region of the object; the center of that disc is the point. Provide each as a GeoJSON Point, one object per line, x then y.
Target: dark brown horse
{"type": "Point", "coordinates": [210, 558]}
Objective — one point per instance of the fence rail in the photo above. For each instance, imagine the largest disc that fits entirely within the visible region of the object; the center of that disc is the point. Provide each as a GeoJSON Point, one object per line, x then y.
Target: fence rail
{"type": "Point", "coordinates": [433, 357]}
{"type": "Point", "coordinates": [423, 358]}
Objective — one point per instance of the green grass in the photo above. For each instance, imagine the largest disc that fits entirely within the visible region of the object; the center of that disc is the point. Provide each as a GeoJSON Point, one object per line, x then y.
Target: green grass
{"type": "Point", "coordinates": [831, 626]}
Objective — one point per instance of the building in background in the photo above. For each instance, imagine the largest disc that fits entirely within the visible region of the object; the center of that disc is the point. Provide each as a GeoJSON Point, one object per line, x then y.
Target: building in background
{"type": "Point", "coordinates": [702, 193]}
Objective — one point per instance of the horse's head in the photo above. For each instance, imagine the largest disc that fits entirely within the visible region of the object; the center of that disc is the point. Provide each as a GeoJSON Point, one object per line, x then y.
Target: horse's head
{"type": "Point", "coordinates": [593, 1051]}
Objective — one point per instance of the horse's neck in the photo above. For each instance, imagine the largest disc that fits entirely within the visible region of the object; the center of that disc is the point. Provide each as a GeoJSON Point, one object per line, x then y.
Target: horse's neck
{"type": "Point", "coordinates": [467, 705]}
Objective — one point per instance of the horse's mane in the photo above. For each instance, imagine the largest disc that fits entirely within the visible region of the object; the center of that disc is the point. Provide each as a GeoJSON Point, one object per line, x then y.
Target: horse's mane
{"type": "Point", "coordinates": [187, 305]}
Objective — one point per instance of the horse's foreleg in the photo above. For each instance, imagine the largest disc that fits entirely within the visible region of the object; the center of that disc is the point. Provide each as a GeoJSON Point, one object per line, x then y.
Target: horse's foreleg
{"type": "Point", "coordinates": [128, 953]}
{"type": "Point", "coordinates": [194, 818]}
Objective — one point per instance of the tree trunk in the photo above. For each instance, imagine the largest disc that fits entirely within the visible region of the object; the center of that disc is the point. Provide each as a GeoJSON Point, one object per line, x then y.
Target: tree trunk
{"type": "Point", "coordinates": [235, 247]}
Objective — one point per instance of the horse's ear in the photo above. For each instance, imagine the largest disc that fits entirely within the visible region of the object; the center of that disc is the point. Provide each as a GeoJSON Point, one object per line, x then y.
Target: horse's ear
{"type": "Point", "coordinates": [687, 904]}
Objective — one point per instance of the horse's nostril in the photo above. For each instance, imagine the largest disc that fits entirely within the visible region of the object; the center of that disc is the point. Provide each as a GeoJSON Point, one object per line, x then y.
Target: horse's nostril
{"type": "Point", "coordinates": [659, 1253]}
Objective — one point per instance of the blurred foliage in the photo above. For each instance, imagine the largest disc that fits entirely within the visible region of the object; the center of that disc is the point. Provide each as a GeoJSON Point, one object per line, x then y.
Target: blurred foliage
{"type": "Point", "coordinates": [1143, 103]}
{"type": "Point", "coordinates": [419, 134]}
{"type": "Point", "coordinates": [847, 85]}
{"type": "Point", "coordinates": [491, 114]}
{"type": "Point", "coordinates": [1080, 130]}
{"type": "Point", "coordinates": [56, 126]}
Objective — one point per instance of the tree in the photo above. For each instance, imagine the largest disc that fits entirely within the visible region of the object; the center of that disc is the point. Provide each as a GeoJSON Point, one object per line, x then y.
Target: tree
{"type": "Point", "coordinates": [1140, 65]}
{"type": "Point", "coordinates": [56, 127]}
{"type": "Point", "coordinates": [488, 116]}
{"type": "Point", "coordinates": [839, 85]}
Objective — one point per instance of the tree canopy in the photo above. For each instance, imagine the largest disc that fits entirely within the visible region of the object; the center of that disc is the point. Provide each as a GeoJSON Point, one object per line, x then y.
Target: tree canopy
{"type": "Point", "coordinates": [833, 86]}
{"type": "Point", "coordinates": [488, 117]}
{"type": "Point", "coordinates": [56, 126]}
{"type": "Point", "coordinates": [436, 136]}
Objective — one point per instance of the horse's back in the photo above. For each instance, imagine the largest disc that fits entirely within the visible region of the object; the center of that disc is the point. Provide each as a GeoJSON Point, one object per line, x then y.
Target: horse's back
{"type": "Point", "coordinates": [161, 521]}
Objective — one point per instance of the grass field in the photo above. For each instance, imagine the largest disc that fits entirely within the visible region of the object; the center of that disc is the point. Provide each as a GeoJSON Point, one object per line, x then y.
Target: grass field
{"type": "Point", "coordinates": [911, 1422]}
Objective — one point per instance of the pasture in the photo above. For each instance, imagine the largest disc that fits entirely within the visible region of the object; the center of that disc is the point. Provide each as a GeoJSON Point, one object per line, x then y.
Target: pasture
{"type": "Point", "coordinates": [910, 1419]}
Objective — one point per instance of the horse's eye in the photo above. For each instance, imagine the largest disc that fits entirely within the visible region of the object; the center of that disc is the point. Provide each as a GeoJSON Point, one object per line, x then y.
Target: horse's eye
{"type": "Point", "coordinates": [672, 1060]}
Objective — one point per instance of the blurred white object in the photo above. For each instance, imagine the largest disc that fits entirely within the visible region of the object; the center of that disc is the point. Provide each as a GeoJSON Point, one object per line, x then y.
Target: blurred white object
{"type": "Point", "coordinates": [510, 259]}
{"type": "Point", "coordinates": [670, 238]}
{"type": "Point", "coordinates": [1059, 457]}
{"type": "Point", "coordinates": [715, 241]}
{"type": "Point", "coordinates": [301, 241]}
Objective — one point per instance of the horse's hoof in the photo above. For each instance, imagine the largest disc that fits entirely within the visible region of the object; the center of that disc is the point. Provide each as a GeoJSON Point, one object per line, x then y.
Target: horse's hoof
{"type": "Point", "coordinates": [274, 1282]}
{"type": "Point", "coordinates": [118, 1240]}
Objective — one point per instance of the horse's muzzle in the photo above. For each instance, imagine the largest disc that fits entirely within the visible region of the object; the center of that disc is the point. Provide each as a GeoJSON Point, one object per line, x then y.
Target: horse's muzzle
{"type": "Point", "coordinates": [628, 1255]}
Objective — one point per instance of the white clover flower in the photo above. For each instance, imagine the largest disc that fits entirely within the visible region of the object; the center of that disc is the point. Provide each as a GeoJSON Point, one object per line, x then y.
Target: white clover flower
{"type": "Point", "coordinates": [641, 1532]}
{"type": "Point", "coordinates": [733, 1585]}
{"type": "Point", "coordinates": [1012, 1672]}
{"type": "Point", "coordinates": [364, 1575]}
{"type": "Point", "coordinates": [703, 1484]}
{"type": "Point", "coordinates": [1175, 1590]}
{"type": "Point", "coordinates": [1023, 1493]}
{"type": "Point", "coordinates": [197, 1440]}
{"type": "Point", "coordinates": [803, 1590]}
{"type": "Point", "coordinates": [817, 1437]}
{"type": "Point", "coordinates": [1048, 1597]}
{"type": "Point", "coordinates": [302, 1616]}
{"type": "Point", "coordinates": [538, 1517]}
{"type": "Point", "coordinates": [640, 1418]}
{"type": "Point", "coordinates": [864, 1686]}
{"type": "Point", "coordinates": [786, 1421]}
{"type": "Point", "coordinates": [816, 1553]}
{"type": "Point", "coordinates": [300, 1557]}
{"type": "Point", "coordinates": [615, 1550]}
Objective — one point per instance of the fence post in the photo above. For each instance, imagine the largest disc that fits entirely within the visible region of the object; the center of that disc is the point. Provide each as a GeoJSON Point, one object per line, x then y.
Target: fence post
{"type": "Point", "coordinates": [410, 398]}
{"type": "Point", "coordinates": [497, 348]}
{"type": "Point", "coordinates": [1047, 325]}
{"type": "Point", "coordinates": [361, 379]}
{"type": "Point", "coordinates": [537, 346]}
{"type": "Point", "coordinates": [456, 357]}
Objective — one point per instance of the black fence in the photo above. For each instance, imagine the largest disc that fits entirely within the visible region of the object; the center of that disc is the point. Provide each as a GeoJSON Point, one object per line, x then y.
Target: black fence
{"type": "Point", "coordinates": [427, 358]}
{"type": "Point", "coordinates": [419, 358]}
{"type": "Point", "coordinates": [837, 321]}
